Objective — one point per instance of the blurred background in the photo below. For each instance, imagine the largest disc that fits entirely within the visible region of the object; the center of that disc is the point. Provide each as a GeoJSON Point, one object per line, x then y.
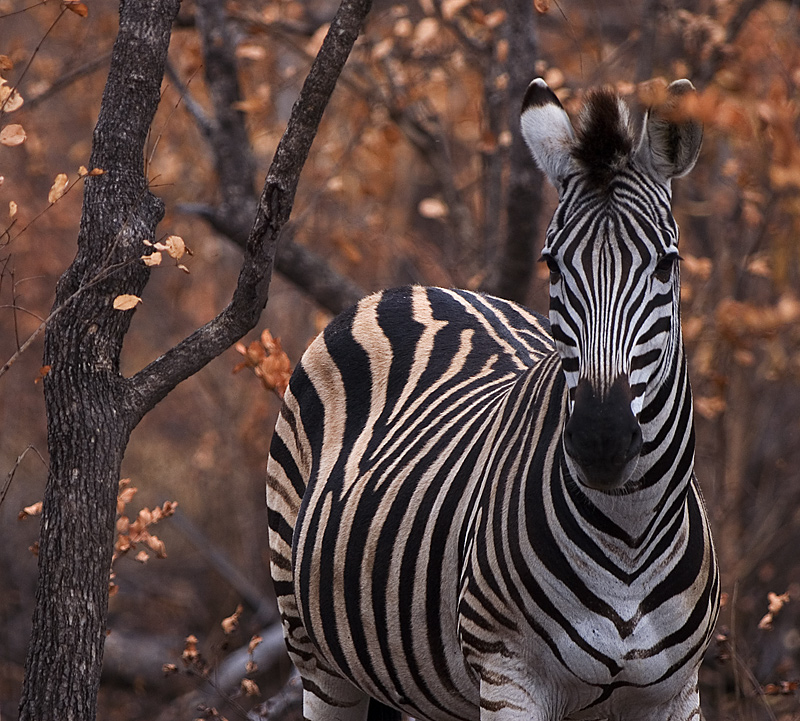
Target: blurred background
{"type": "Point", "coordinates": [417, 176]}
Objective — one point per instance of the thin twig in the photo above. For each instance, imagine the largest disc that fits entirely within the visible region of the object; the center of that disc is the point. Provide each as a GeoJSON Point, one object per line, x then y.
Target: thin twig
{"type": "Point", "coordinates": [204, 123]}
{"type": "Point", "coordinates": [33, 55]}
{"type": "Point", "coordinates": [65, 80]}
{"type": "Point", "coordinates": [23, 310]}
{"type": "Point", "coordinates": [12, 273]}
{"type": "Point", "coordinates": [12, 472]}
{"type": "Point", "coordinates": [23, 10]}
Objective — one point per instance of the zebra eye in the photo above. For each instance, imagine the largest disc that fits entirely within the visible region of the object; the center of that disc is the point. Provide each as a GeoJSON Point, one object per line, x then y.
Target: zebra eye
{"type": "Point", "coordinates": [663, 271]}
{"type": "Point", "coordinates": [552, 266]}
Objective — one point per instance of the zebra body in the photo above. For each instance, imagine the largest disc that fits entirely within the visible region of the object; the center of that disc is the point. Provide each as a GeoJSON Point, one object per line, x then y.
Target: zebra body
{"type": "Point", "coordinates": [444, 540]}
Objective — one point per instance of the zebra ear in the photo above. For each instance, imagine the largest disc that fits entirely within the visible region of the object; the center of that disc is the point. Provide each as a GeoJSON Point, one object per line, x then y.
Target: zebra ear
{"type": "Point", "coordinates": [547, 131]}
{"type": "Point", "coordinates": [669, 146]}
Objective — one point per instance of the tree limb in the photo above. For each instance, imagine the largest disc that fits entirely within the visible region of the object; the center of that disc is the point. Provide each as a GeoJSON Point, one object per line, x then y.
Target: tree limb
{"type": "Point", "coordinates": [151, 384]}
{"type": "Point", "coordinates": [233, 159]}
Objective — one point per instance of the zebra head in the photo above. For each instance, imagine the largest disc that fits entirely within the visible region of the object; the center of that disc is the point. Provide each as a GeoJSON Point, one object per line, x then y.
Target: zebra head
{"type": "Point", "coordinates": [612, 251]}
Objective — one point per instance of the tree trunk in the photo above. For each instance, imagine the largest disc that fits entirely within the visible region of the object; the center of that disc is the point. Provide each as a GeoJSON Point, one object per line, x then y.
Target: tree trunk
{"type": "Point", "coordinates": [512, 275]}
{"type": "Point", "coordinates": [88, 423]}
{"type": "Point", "coordinates": [91, 408]}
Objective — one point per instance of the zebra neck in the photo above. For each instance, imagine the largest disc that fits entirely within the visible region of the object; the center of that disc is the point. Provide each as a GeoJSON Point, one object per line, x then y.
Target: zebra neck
{"type": "Point", "coordinates": [656, 496]}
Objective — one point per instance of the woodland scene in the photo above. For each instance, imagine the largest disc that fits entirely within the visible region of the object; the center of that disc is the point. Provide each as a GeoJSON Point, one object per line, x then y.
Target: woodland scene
{"type": "Point", "coordinates": [417, 174]}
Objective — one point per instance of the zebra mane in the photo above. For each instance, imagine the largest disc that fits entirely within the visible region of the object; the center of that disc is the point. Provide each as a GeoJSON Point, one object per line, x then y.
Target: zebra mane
{"type": "Point", "coordinates": [604, 138]}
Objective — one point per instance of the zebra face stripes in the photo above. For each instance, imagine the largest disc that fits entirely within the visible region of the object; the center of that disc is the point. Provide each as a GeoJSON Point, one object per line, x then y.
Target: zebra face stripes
{"type": "Point", "coordinates": [612, 251]}
{"type": "Point", "coordinates": [431, 548]}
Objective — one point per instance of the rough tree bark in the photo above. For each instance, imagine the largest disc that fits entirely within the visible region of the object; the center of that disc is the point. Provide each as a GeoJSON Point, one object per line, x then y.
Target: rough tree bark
{"type": "Point", "coordinates": [91, 408]}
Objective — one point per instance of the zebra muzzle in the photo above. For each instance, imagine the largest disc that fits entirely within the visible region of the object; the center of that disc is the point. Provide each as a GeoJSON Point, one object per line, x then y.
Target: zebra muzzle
{"type": "Point", "coordinates": [602, 437]}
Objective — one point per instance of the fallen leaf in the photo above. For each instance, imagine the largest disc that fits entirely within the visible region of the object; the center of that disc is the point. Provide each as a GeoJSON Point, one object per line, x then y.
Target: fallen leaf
{"type": "Point", "coordinates": [58, 188]}
{"type": "Point", "coordinates": [542, 6]}
{"type": "Point", "coordinates": [12, 208]}
{"type": "Point", "coordinates": [13, 134]}
{"type": "Point", "coordinates": [126, 301]}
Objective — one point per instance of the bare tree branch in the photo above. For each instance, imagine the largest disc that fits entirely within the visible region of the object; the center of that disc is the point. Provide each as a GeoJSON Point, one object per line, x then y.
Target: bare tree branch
{"type": "Point", "coordinates": [233, 158]}
{"type": "Point", "coordinates": [151, 384]}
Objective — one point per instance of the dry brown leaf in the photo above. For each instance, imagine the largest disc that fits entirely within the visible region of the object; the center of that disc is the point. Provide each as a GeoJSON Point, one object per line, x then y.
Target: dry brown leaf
{"type": "Point", "coordinates": [432, 208]}
{"type": "Point", "coordinates": [123, 525]}
{"type": "Point", "coordinates": [156, 545]}
{"type": "Point", "coordinates": [43, 371]}
{"type": "Point", "coordinates": [495, 18]}
{"type": "Point", "coordinates": [249, 51]}
{"type": "Point", "coordinates": [776, 602]}
{"type": "Point", "coordinates": [175, 246]}
{"type": "Point", "coordinates": [190, 652]}
{"type": "Point", "coordinates": [152, 259]}
{"type": "Point", "coordinates": [58, 188]}
{"type": "Point", "coordinates": [12, 208]}
{"type": "Point", "coordinates": [6, 63]}
{"type": "Point", "coordinates": [709, 407]}
{"type": "Point", "coordinates": [13, 134]}
{"type": "Point", "coordinates": [96, 171]}
{"type": "Point", "coordinates": [231, 623]}
{"type": "Point", "coordinates": [141, 557]}
{"type": "Point", "coordinates": [426, 31]}
{"type": "Point", "coordinates": [254, 642]}
{"type": "Point", "coordinates": [542, 6]}
{"type": "Point", "coordinates": [78, 8]}
{"type": "Point", "coordinates": [34, 509]}
{"type": "Point", "coordinates": [182, 267]}
{"type": "Point", "coordinates": [10, 99]}
{"type": "Point", "coordinates": [250, 687]}
{"type": "Point", "coordinates": [450, 8]}
{"type": "Point", "coordinates": [126, 301]}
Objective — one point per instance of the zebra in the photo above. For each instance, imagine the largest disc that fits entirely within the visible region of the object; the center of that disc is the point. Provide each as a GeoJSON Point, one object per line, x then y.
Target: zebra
{"type": "Point", "coordinates": [475, 513]}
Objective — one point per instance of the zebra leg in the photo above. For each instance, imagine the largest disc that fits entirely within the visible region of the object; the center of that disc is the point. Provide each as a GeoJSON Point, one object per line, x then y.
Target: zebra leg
{"type": "Point", "coordinates": [684, 707]}
{"type": "Point", "coordinates": [506, 699]}
{"type": "Point", "coordinates": [330, 698]}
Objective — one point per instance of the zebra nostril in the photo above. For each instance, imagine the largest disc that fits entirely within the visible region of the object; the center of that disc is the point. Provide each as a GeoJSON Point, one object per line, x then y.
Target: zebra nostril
{"type": "Point", "coordinates": [635, 446]}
